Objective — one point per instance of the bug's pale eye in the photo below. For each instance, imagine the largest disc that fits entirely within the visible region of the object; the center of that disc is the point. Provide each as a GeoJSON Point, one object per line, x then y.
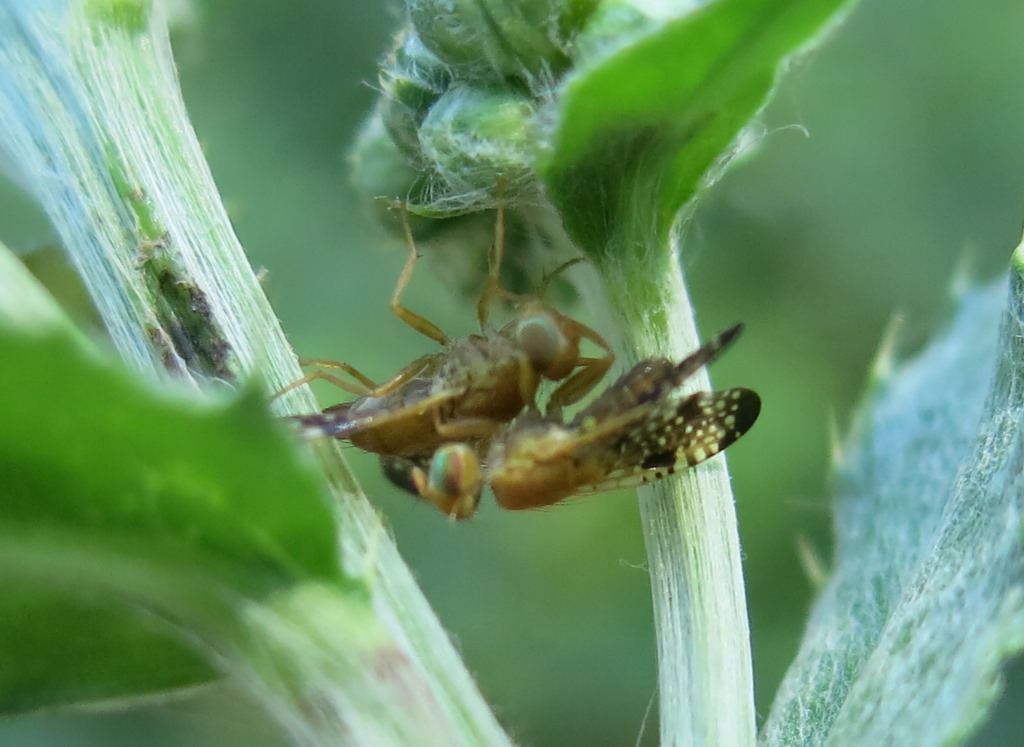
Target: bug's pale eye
{"type": "Point", "coordinates": [541, 340]}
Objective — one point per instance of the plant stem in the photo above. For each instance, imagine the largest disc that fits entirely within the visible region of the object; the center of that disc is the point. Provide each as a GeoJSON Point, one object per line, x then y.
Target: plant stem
{"type": "Point", "coordinates": [704, 664]}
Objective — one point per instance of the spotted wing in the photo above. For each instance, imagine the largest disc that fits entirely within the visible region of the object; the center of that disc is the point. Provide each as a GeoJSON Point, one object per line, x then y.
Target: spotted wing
{"type": "Point", "coordinates": [706, 353]}
{"type": "Point", "coordinates": [681, 434]}
{"type": "Point", "coordinates": [652, 380]}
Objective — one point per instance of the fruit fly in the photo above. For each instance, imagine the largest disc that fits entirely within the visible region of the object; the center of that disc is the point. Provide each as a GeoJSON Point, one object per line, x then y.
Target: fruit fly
{"type": "Point", "coordinates": [641, 429]}
{"type": "Point", "coordinates": [451, 478]}
{"type": "Point", "coordinates": [467, 391]}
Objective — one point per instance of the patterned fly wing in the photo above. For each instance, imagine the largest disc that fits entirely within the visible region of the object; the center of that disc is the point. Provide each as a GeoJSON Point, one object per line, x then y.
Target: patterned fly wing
{"type": "Point", "coordinates": [642, 428]}
{"type": "Point", "coordinates": [684, 433]}
{"type": "Point", "coordinates": [652, 380]}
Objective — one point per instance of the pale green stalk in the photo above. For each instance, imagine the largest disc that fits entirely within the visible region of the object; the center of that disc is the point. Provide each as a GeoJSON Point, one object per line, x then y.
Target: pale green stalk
{"type": "Point", "coordinates": [705, 677]}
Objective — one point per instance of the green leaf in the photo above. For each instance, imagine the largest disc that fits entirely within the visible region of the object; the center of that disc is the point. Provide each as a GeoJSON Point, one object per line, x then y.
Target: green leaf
{"type": "Point", "coordinates": [217, 532]}
{"type": "Point", "coordinates": [128, 517]}
{"type": "Point", "coordinates": [642, 123]}
{"type": "Point", "coordinates": [639, 131]}
{"type": "Point", "coordinates": [925, 603]}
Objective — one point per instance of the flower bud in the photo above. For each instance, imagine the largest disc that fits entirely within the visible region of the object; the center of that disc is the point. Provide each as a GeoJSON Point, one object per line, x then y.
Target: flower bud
{"type": "Point", "coordinates": [472, 137]}
{"type": "Point", "coordinates": [491, 39]}
{"type": "Point", "coordinates": [412, 78]}
{"type": "Point", "coordinates": [379, 169]}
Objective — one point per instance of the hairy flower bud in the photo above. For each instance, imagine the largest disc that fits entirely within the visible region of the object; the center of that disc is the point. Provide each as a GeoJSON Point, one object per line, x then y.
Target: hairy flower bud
{"type": "Point", "coordinates": [379, 169]}
{"type": "Point", "coordinates": [496, 38]}
{"type": "Point", "coordinates": [474, 137]}
{"type": "Point", "coordinates": [412, 78]}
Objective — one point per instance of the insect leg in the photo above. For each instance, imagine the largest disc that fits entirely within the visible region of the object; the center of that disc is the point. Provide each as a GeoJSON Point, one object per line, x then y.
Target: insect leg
{"type": "Point", "coordinates": [419, 323]}
{"type": "Point", "coordinates": [492, 286]}
{"type": "Point", "coordinates": [414, 369]}
{"type": "Point", "coordinates": [368, 384]}
{"type": "Point", "coordinates": [545, 281]}
{"type": "Point", "coordinates": [365, 386]}
{"type": "Point", "coordinates": [467, 428]}
{"type": "Point", "coordinates": [590, 370]}
{"type": "Point", "coordinates": [462, 428]}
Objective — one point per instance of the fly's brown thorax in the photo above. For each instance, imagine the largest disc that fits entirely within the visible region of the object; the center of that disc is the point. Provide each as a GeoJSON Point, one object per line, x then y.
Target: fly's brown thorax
{"type": "Point", "coordinates": [543, 483]}
{"type": "Point", "coordinates": [540, 486]}
{"type": "Point", "coordinates": [530, 468]}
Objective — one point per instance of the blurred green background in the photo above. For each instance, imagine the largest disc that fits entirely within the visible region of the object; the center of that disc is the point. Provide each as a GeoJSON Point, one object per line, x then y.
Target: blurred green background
{"type": "Point", "coordinates": [889, 166]}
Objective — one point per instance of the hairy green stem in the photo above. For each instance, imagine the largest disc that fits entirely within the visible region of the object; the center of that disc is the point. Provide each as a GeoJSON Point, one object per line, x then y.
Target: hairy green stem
{"type": "Point", "coordinates": [704, 662]}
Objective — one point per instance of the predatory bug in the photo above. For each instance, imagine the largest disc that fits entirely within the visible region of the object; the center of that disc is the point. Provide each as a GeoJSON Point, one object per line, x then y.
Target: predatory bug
{"type": "Point", "coordinates": [469, 389]}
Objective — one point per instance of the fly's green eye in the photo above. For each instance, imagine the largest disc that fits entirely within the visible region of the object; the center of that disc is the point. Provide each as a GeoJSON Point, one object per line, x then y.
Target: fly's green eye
{"type": "Point", "coordinates": [456, 479]}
